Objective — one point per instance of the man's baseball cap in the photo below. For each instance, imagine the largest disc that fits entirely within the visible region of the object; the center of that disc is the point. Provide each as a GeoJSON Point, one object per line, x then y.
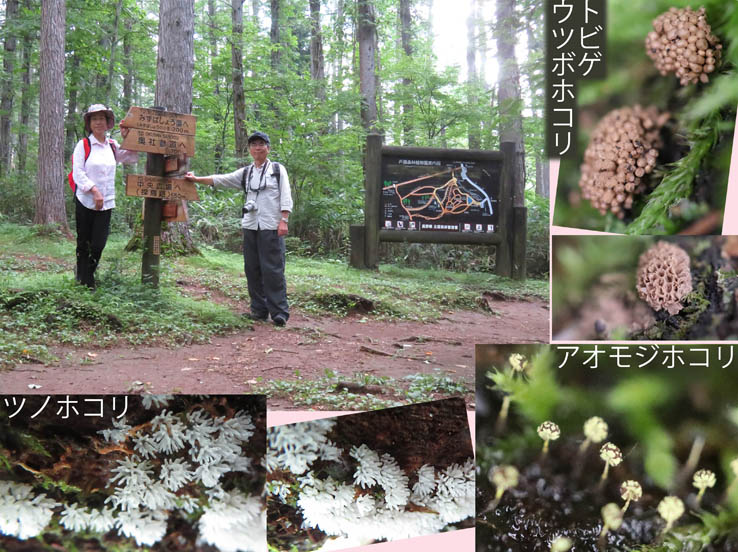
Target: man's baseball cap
{"type": "Point", "coordinates": [259, 136]}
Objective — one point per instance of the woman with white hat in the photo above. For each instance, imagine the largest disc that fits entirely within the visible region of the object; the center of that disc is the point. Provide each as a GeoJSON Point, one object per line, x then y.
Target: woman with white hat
{"type": "Point", "coordinates": [93, 169]}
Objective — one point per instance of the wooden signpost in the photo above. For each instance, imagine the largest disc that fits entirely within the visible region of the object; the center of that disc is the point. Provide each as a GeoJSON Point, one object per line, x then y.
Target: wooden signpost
{"type": "Point", "coordinates": [160, 187]}
{"type": "Point", "coordinates": [159, 133]}
{"type": "Point", "coordinates": [162, 132]}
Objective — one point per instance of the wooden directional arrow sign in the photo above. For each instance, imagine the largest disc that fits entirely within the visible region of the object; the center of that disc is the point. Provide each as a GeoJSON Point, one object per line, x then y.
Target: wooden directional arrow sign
{"type": "Point", "coordinates": [162, 121]}
{"type": "Point", "coordinates": [156, 131]}
{"type": "Point", "coordinates": [141, 185]}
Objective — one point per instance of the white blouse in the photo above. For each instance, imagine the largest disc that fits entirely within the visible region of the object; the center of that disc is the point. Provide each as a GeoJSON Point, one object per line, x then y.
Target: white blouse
{"type": "Point", "coordinates": [98, 170]}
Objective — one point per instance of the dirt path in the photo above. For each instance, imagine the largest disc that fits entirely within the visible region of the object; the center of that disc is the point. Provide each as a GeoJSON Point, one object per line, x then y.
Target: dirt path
{"type": "Point", "coordinates": [232, 364]}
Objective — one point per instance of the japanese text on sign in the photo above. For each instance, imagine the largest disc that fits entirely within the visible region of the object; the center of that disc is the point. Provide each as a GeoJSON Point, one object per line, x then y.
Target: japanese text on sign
{"type": "Point", "coordinates": [160, 187]}
{"type": "Point", "coordinates": [157, 131]}
{"type": "Point", "coordinates": [154, 141]}
{"type": "Point", "coordinates": [575, 33]}
{"type": "Point", "coordinates": [162, 121]}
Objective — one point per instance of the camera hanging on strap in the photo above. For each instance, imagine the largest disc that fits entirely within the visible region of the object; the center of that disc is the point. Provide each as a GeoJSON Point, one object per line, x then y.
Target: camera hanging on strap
{"type": "Point", "coordinates": [250, 205]}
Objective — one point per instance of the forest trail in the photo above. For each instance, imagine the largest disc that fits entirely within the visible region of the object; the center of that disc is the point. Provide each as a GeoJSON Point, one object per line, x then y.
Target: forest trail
{"type": "Point", "coordinates": [308, 344]}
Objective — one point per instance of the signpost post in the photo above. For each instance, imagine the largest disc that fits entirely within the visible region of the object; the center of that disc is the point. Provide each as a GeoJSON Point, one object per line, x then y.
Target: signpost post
{"type": "Point", "coordinates": [165, 136]}
{"type": "Point", "coordinates": [151, 242]}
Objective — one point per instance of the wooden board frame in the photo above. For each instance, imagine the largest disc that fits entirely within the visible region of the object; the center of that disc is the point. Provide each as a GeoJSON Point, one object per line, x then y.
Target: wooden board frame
{"type": "Point", "coordinates": [509, 239]}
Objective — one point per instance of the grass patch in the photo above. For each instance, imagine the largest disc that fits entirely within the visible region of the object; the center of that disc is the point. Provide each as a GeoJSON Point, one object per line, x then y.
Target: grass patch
{"type": "Point", "coordinates": [331, 287]}
{"type": "Point", "coordinates": [396, 292]}
{"type": "Point", "coordinates": [362, 391]}
{"type": "Point", "coordinates": [40, 305]}
{"type": "Point", "coordinates": [51, 309]}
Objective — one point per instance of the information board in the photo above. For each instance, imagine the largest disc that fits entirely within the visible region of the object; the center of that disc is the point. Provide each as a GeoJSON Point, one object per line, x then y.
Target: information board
{"type": "Point", "coordinates": [426, 194]}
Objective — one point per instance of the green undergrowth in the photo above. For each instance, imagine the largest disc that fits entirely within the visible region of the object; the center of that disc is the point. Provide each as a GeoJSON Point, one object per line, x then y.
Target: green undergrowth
{"type": "Point", "coordinates": [331, 287]}
{"type": "Point", "coordinates": [40, 305]}
{"type": "Point", "coordinates": [695, 537]}
{"type": "Point", "coordinates": [43, 309]}
{"type": "Point", "coordinates": [678, 180]}
{"type": "Point", "coordinates": [361, 391]}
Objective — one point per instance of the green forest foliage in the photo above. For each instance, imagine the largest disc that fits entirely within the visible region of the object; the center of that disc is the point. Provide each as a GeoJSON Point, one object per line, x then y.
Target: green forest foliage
{"type": "Point", "coordinates": [315, 126]}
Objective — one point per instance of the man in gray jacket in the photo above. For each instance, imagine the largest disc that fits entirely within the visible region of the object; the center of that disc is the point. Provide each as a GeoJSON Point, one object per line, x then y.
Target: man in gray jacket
{"type": "Point", "coordinates": [266, 211]}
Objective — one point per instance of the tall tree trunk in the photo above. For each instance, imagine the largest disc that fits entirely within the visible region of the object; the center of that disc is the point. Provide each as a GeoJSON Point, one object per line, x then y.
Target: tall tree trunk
{"type": "Point", "coordinates": [113, 48]}
{"type": "Point", "coordinates": [218, 147]}
{"type": "Point", "coordinates": [50, 208]}
{"type": "Point", "coordinates": [340, 47]}
{"type": "Point", "coordinates": [239, 102]}
{"type": "Point", "coordinates": [274, 34]}
{"type": "Point", "coordinates": [129, 70]}
{"type": "Point", "coordinates": [354, 45]}
{"type": "Point", "coordinates": [72, 122]}
{"type": "Point", "coordinates": [128, 62]}
{"type": "Point", "coordinates": [535, 44]}
{"type": "Point", "coordinates": [492, 137]}
{"type": "Point", "coordinates": [377, 72]}
{"type": "Point", "coordinates": [101, 79]}
{"type": "Point", "coordinates": [543, 180]}
{"type": "Point", "coordinates": [486, 125]}
{"type": "Point", "coordinates": [25, 110]}
{"type": "Point", "coordinates": [212, 38]}
{"type": "Point", "coordinates": [511, 119]}
{"type": "Point", "coordinates": [482, 42]}
{"type": "Point", "coordinates": [174, 70]}
{"type": "Point", "coordinates": [317, 61]}
{"type": "Point", "coordinates": [6, 96]}
{"type": "Point", "coordinates": [406, 36]}
{"type": "Point", "coordinates": [175, 63]}
{"type": "Point", "coordinates": [367, 72]}
{"type": "Point", "coordinates": [474, 134]}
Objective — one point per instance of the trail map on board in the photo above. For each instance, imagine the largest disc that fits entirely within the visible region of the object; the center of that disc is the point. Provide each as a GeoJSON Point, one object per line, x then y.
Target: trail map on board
{"type": "Point", "coordinates": [452, 196]}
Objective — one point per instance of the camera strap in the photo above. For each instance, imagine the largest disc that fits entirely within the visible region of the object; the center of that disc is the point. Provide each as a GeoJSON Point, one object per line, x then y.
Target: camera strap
{"type": "Point", "coordinates": [248, 172]}
{"type": "Point", "coordinates": [246, 182]}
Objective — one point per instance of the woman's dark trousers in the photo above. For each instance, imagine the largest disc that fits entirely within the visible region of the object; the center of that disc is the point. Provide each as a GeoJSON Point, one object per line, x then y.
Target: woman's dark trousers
{"type": "Point", "coordinates": [93, 228]}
